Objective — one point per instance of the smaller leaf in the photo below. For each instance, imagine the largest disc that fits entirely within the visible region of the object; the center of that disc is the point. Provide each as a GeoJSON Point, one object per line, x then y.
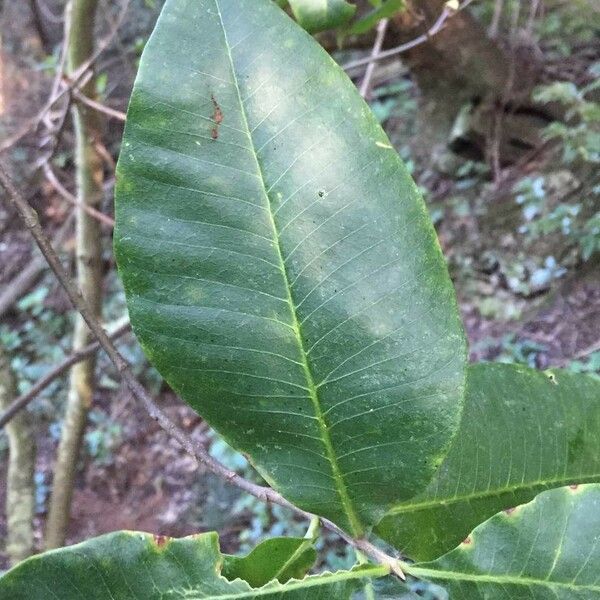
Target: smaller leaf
{"type": "Point", "coordinates": [545, 549]}
{"type": "Point", "coordinates": [370, 20]}
{"type": "Point", "coordinates": [136, 566]}
{"type": "Point", "coordinates": [319, 15]}
{"type": "Point", "coordinates": [522, 432]}
{"type": "Point", "coordinates": [281, 558]}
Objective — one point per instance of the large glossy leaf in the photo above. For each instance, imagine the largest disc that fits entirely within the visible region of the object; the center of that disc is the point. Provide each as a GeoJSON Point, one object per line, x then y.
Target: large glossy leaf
{"type": "Point", "coordinates": [523, 431]}
{"type": "Point", "coordinates": [281, 558]}
{"type": "Point", "coordinates": [546, 550]}
{"type": "Point", "coordinates": [318, 15]}
{"type": "Point", "coordinates": [137, 566]}
{"type": "Point", "coordinates": [280, 266]}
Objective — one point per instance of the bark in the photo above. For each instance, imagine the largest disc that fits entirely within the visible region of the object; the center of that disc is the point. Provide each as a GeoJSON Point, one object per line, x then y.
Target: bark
{"type": "Point", "coordinates": [89, 275]}
{"type": "Point", "coordinates": [20, 487]}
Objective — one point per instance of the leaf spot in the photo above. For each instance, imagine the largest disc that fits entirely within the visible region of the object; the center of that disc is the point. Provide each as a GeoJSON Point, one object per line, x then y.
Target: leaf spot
{"type": "Point", "coordinates": [161, 540]}
{"type": "Point", "coordinates": [217, 117]}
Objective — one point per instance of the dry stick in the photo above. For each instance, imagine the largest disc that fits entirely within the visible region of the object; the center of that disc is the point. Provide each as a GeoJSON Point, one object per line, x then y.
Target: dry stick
{"type": "Point", "coordinates": [60, 71]}
{"type": "Point", "coordinates": [25, 399]}
{"type": "Point", "coordinates": [77, 79]}
{"type": "Point", "coordinates": [71, 199]}
{"type": "Point", "coordinates": [533, 11]}
{"type": "Point", "coordinates": [495, 24]}
{"type": "Point", "coordinates": [23, 282]}
{"type": "Point", "coordinates": [365, 86]}
{"type": "Point", "coordinates": [446, 14]}
{"type": "Point", "coordinates": [266, 494]}
{"type": "Point", "coordinates": [102, 108]}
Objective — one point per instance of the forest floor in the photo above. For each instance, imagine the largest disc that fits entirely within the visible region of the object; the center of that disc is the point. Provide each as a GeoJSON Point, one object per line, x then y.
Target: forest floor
{"type": "Point", "coordinates": [133, 476]}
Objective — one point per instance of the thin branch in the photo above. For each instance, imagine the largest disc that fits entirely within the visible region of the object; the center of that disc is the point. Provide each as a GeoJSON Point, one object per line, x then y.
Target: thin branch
{"type": "Point", "coordinates": [77, 79]}
{"type": "Point", "coordinates": [495, 24]}
{"type": "Point", "coordinates": [98, 106]}
{"type": "Point", "coordinates": [25, 399]}
{"type": "Point", "coordinates": [34, 122]}
{"type": "Point", "coordinates": [48, 14]}
{"type": "Point", "coordinates": [266, 494]}
{"type": "Point", "coordinates": [60, 69]}
{"type": "Point", "coordinates": [534, 8]}
{"type": "Point", "coordinates": [365, 86]}
{"type": "Point", "coordinates": [71, 199]}
{"type": "Point", "coordinates": [438, 26]}
{"type": "Point", "coordinates": [23, 282]}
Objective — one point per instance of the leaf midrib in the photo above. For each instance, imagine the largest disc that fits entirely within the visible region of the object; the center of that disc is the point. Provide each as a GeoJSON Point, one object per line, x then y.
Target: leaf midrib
{"type": "Point", "coordinates": [356, 527]}
{"type": "Point", "coordinates": [445, 502]}
{"type": "Point", "coordinates": [499, 579]}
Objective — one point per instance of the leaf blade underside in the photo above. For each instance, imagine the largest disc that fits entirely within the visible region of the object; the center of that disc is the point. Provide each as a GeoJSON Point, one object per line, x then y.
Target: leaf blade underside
{"type": "Point", "coordinates": [132, 566]}
{"type": "Point", "coordinates": [523, 432]}
{"type": "Point", "coordinates": [545, 549]}
{"type": "Point", "coordinates": [280, 267]}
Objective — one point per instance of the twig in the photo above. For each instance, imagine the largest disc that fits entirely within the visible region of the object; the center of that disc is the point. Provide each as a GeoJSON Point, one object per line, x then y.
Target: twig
{"type": "Point", "coordinates": [60, 70]}
{"type": "Point", "coordinates": [24, 400]}
{"type": "Point", "coordinates": [71, 199]}
{"type": "Point", "coordinates": [102, 108]}
{"type": "Point", "coordinates": [365, 86]}
{"type": "Point", "coordinates": [48, 14]}
{"type": "Point", "coordinates": [422, 39]}
{"type": "Point", "coordinates": [266, 494]}
{"type": "Point", "coordinates": [78, 79]}
{"type": "Point", "coordinates": [495, 24]}
{"type": "Point", "coordinates": [23, 282]}
{"type": "Point", "coordinates": [34, 122]}
{"type": "Point", "coordinates": [533, 11]}
{"type": "Point", "coordinates": [39, 26]}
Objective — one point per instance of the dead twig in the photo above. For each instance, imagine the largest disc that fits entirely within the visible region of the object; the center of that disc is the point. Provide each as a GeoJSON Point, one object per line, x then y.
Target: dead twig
{"type": "Point", "coordinates": [15, 289]}
{"type": "Point", "coordinates": [365, 86]}
{"type": "Point", "coordinates": [438, 26]}
{"type": "Point", "coordinates": [495, 24]}
{"type": "Point", "coordinates": [24, 400]}
{"type": "Point", "coordinates": [198, 452]}
{"type": "Point", "coordinates": [71, 199]}
{"type": "Point", "coordinates": [78, 79]}
{"type": "Point", "coordinates": [98, 106]}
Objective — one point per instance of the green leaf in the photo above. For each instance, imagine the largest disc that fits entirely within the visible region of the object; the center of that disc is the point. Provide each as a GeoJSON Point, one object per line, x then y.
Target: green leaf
{"type": "Point", "coordinates": [281, 269]}
{"type": "Point", "coordinates": [136, 566]}
{"type": "Point", "coordinates": [523, 432]}
{"type": "Point", "coordinates": [319, 15]}
{"type": "Point", "coordinates": [282, 558]}
{"type": "Point", "coordinates": [546, 549]}
{"type": "Point", "coordinates": [385, 11]}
